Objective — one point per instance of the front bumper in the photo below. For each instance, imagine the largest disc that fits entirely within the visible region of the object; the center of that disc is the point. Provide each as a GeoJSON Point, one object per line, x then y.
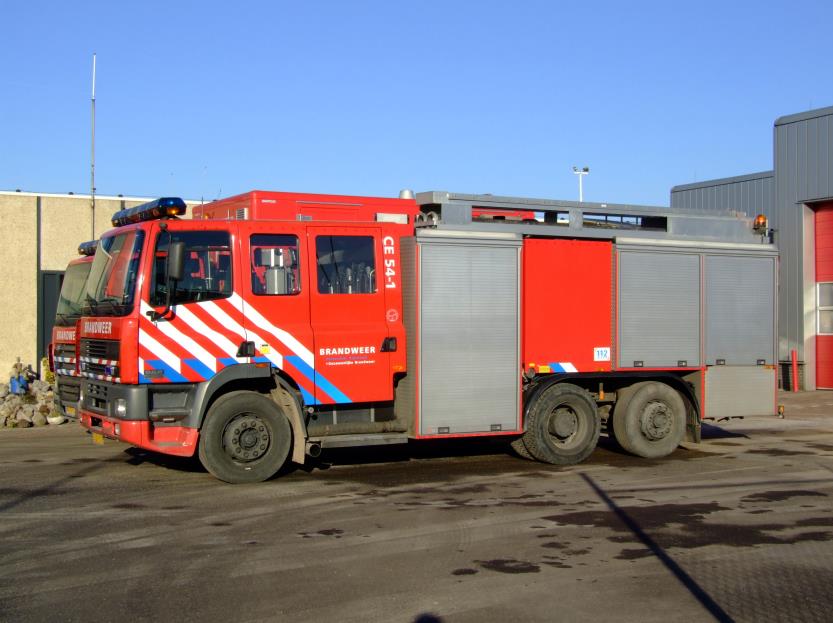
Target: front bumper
{"type": "Point", "coordinates": [175, 440]}
{"type": "Point", "coordinates": [163, 418]}
{"type": "Point", "coordinates": [67, 395]}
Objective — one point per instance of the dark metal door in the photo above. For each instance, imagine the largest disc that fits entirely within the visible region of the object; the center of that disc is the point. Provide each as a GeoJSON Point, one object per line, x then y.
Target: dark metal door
{"type": "Point", "coordinates": [50, 292]}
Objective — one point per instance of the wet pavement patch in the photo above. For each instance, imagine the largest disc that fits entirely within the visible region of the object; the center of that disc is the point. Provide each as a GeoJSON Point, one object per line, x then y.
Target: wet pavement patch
{"type": "Point", "coordinates": [779, 496]}
{"type": "Point", "coordinates": [128, 506]}
{"type": "Point", "coordinates": [685, 526]}
{"type": "Point", "coordinates": [557, 564]}
{"type": "Point", "coordinates": [509, 565]}
{"type": "Point", "coordinates": [778, 452]}
{"type": "Point", "coordinates": [820, 446]}
{"type": "Point", "coordinates": [554, 545]}
{"type": "Point", "coordinates": [335, 532]}
{"type": "Point", "coordinates": [633, 554]}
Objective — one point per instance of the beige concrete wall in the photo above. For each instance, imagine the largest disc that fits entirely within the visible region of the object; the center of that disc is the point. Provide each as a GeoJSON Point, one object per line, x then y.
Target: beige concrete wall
{"type": "Point", "coordinates": [66, 221]}
{"type": "Point", "coordinates": [18, 282]}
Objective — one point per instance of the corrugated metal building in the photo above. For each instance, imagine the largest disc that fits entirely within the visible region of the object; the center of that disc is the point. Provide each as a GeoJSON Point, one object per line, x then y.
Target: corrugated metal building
{"type": "Point", "coordinates": [797, 196]}
{"type": "Point", "coordinates": [751, 194]}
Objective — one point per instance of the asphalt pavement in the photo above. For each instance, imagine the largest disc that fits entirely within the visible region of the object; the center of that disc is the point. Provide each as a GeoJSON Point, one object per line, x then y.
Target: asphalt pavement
{"type": "Point", "coordinates": [739, 527]}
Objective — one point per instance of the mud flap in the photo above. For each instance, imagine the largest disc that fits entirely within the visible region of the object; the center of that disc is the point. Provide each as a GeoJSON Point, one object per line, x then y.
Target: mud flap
{"type": "Point", "coordinates": [293, 413]}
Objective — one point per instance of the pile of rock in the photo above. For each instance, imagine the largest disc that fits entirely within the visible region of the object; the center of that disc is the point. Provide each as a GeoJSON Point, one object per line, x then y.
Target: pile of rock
{"type": "Point", "coordinates": [32, 408]}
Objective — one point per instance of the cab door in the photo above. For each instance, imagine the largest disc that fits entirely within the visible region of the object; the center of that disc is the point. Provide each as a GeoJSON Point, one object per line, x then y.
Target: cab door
{"type": "Point", "coordinates": [276, 300]}
{"type": "Point", "coordinates": [201, 332]}
{"type": "Point", "coordinates": [347, 311]}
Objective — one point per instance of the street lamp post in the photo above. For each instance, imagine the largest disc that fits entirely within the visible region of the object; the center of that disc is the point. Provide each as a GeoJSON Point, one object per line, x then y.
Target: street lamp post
{"type": "Point", "coordinates": [581, 173]}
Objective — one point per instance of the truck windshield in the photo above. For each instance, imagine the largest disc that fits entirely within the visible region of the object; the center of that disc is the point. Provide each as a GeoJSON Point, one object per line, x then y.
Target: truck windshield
{"type": "Point", "coordinates": [112, 282]}
{"type": "Point", "coordinates": [72, 293]}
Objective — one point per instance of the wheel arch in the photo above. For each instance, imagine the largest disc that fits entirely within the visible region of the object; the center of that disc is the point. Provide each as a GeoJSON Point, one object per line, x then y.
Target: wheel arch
{"type": "Point", "coordinates": [272, 382]}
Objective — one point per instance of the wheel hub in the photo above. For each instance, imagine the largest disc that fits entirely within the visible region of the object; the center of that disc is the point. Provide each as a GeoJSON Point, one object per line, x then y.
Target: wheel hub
{"type": "Point", "coordinates": [246, 438]}
{"type": "Point", "coordinates": [563, 424]}
{"type": "Point", "coordinates": [656, 421]}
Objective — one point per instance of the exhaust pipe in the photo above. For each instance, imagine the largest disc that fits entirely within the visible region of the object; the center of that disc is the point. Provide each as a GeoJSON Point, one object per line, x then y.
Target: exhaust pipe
{"type": "Point", "coordinates": [313, 449]}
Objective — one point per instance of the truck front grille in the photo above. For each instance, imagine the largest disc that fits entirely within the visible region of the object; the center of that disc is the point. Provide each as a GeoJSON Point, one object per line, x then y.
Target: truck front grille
{"type": "Point", "coordinates": [64, 356]}
{"type": "Point", "coordinates": [100, 359]}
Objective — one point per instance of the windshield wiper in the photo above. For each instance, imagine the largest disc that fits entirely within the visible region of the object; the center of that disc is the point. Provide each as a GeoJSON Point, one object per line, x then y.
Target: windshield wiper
{"type": "Point", "coordinates": [91, 303]}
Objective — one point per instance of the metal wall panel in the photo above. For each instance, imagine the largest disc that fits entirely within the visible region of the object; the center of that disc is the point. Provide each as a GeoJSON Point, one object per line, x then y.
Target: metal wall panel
{"type": "Point", "coordinates": [469, 336]}
{"type": "Point", "coordinates": [803, 174]}
{"type": "Point", "coordinates": [749, 194]}
{"type": "Point", "coordinates": [740, 309]}
{"type": "Point", "coordinates": [659, 309]}
{"type": "Point", "coordinates": [734, 391]}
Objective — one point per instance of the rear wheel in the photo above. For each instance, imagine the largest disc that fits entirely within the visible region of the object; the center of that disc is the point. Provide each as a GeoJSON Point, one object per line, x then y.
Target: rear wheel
{"type": "Point", "coordinates": [649, 419]}
{"type": "Point", "coordinates": [245, 438]}
{"type": "Point", "coordinates": [519, 447]}
{"type": "Point", "coordinates": [562, 425]}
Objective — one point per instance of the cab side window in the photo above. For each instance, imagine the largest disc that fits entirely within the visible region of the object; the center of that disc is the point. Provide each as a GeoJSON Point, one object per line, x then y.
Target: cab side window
{"type": "Point", "coordinates": [207, 274]}
{"type": "Point", "coordinates": [346, 264]}
{"type": "Point", "coordinates": [274, 264]}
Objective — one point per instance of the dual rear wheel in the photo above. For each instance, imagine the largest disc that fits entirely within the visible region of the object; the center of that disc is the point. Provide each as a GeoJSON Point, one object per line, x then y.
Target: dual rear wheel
{"type": "Point", "coordinates": [649, 419]}
{"type": "Point", "coordinates": [563, 424]}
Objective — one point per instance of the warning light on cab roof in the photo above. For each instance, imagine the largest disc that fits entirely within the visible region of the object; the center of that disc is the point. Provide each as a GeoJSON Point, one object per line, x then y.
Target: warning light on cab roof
{"type": "Point", "coordinates": [158, 208]}
{"type": "Point", "coordinates": [88, 248]}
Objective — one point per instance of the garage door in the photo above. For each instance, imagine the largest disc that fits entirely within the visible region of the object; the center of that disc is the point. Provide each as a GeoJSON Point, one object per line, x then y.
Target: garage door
{"type": "Point", "coordinates": [824, 297]}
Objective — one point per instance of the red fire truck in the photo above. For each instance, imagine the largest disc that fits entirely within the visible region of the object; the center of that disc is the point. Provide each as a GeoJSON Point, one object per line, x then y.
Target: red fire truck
{"type": "Point", "coordinates": [273, 325]}
{"type": "Point", "coordinates": [62, 350]}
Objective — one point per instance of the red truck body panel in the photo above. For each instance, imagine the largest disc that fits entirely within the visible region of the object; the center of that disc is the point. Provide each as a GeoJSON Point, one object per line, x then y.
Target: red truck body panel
{"type": "Point", "coordinates": [567, 305]}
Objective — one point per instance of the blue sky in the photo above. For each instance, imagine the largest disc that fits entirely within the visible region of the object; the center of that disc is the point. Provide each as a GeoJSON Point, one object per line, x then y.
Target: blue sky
{"type": "Point", "coordinates": [204, 99]}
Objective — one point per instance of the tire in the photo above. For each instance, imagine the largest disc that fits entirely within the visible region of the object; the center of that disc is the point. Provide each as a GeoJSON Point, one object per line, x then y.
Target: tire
{"type": "Point", "coordinates": [519, 447]}
{"type": "Point", "coordinates": [562, 426]}
{"type": "Point", "coordinates": [649, 419]}
{"type": "Point", "coordinates": [623, 396]}
{"type": "Point", "coordinates": [245, 438]}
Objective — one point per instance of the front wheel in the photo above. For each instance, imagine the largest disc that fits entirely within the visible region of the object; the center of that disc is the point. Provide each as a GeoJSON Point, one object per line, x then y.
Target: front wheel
{"type": "Point", "coordinates": [562, 425]}
{"type": "Point", "coordinates": [245, 438]}
{"type": "Point", "coordinates": [649, 419]}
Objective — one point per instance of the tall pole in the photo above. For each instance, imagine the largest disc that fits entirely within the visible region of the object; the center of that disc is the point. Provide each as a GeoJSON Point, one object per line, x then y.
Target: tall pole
{"type": "Point", "coordinates": [92, 162]}
{"type": "Point", "coordinates": [581, 173]}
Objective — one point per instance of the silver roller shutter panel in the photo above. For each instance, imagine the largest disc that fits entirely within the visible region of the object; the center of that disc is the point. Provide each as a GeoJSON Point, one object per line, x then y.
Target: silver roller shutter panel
{"type": "Point", "coordinates": [740, 310]}
{"type": "Point", "coordinates": [659, 309]}
{"type": "Point", "coordinates": [469, 336]}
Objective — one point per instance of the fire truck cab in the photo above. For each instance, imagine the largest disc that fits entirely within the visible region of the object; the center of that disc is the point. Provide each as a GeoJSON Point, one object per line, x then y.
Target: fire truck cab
{"type": "Point", "coordinates": [63, 358]}
{"type": "Point", "coordinates": [273, 325]}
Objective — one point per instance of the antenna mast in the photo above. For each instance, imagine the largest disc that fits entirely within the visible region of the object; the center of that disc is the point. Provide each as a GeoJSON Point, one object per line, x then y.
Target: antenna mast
{"type": "Point", "coordinates": [92, 160]}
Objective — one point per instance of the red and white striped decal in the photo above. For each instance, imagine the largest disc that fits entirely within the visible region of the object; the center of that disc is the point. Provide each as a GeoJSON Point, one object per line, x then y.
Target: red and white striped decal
{"type": "Point", "coordinates": [103, 362]}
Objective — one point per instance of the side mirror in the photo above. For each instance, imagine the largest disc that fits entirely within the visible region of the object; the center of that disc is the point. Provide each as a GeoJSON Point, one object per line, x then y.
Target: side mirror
{"type": "Point", "coordinates": [176, 261]}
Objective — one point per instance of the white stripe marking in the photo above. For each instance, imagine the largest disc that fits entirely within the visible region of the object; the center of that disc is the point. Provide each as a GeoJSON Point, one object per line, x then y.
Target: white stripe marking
{"type": "Point", "coordinates": [222, 342]}
{"type": "Point", "coordinates": [287, 338]}
{"type": "Point", "coordinates": [159, 351]}
{"type": "Point", "coordinates": [167, 328]}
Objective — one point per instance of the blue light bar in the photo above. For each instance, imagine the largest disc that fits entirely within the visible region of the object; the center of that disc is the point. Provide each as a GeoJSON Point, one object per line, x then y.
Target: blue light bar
{"type": "Point", "coordinates": [158, 208]}
{"type": "Point", "coordinates": [88, 248]}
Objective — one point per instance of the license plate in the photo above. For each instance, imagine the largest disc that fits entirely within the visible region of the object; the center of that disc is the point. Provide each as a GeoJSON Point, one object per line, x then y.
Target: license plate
{"type": "Point", "coordinates": [98, 438]}
{"type": "Point", "coordinates": [70, 410]}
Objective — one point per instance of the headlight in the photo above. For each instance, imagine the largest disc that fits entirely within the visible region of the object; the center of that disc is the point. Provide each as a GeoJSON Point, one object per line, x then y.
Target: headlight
{"type": "Point", "coordinates": [121, 408]}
